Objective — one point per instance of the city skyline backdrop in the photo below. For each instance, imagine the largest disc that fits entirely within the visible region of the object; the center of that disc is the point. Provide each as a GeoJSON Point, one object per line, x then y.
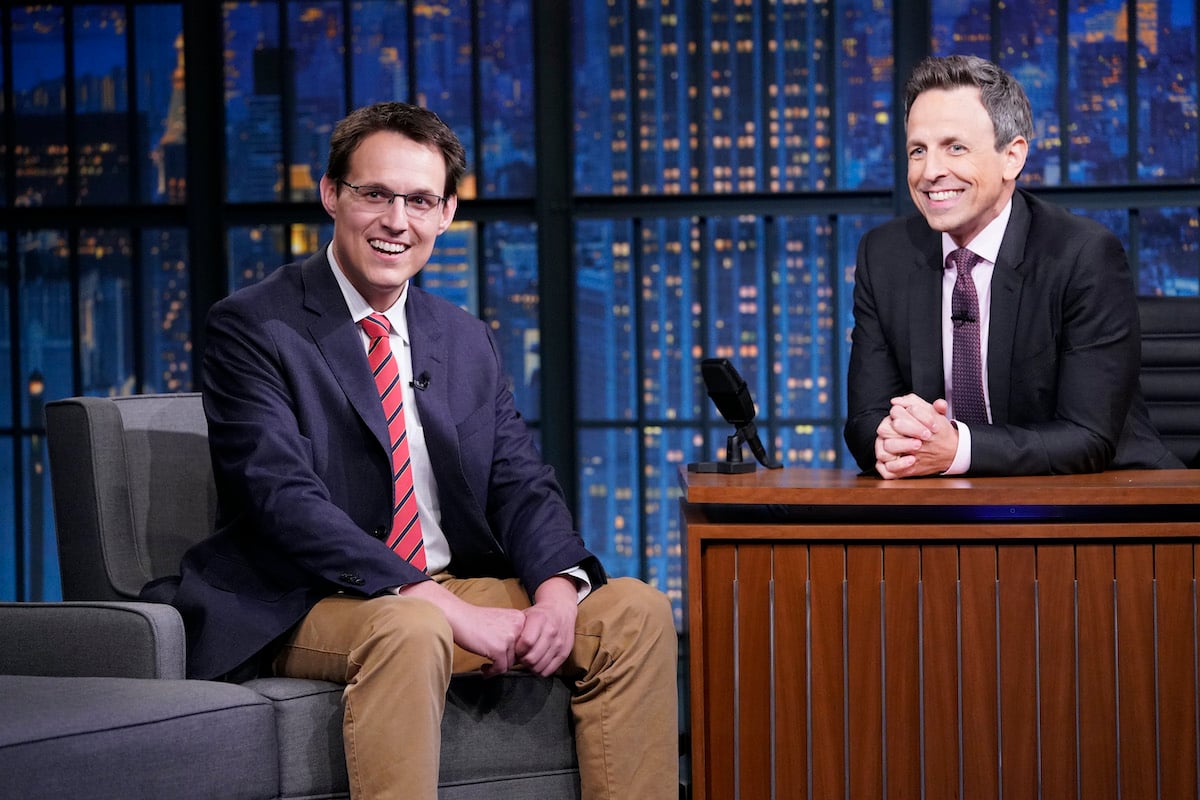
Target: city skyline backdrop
{"type": "Point", "coordinates": [731, 102]}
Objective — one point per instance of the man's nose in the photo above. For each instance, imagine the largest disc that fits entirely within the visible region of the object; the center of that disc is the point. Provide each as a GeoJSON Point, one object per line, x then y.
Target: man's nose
{"type": "Point", "coordinates": [933, 166]}
{"type": "Point", "coordinates": [396, 214]}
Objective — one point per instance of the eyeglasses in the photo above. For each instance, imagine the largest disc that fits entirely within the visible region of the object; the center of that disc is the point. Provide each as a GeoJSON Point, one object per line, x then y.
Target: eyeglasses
{"type": "Point", "coordinates": [418, 204]}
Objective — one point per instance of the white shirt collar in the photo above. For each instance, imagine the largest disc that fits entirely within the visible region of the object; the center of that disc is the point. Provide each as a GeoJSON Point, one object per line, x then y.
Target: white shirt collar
{"type": "Point", "coordinates": [360, 308]}
{"type": "Point", "coordinates": [986, 243]}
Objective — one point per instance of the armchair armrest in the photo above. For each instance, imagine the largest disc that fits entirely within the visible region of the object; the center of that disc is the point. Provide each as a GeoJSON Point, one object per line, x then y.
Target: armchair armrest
{"type": "Point", "coordinates": [91, 639]}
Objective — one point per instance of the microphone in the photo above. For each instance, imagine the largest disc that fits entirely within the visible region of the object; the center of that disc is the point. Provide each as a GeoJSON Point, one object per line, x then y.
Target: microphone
{"type": "Point", "coordinates": [731, 396]}
{"type": "Point", "coordinates": [421, 382]}
{"type": "Point", "coordinates": [728, 391]}
{"type": "Point", "coordinates": [960, 320]}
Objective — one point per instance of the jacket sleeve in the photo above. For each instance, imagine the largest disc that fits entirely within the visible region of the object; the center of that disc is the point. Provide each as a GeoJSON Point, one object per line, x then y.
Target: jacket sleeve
{"type": "Point", "coordinates": [874, 376]}
{"type": "Point", "coordinates": [527, 508]}
{"type": "Point", "coordinates": [499, 499]}
{"type": "Point", "coordinates": [1076, 358]}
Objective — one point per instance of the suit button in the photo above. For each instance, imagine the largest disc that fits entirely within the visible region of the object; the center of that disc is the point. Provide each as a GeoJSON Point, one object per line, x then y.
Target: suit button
{"type": "Point", "coordinates": [379, 533]}
{"type": "Point", "coordinates": [352, 579]}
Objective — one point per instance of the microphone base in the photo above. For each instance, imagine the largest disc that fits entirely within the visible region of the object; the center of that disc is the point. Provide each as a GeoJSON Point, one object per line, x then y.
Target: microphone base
{"type": "Point", "coordinates": [723, 467]}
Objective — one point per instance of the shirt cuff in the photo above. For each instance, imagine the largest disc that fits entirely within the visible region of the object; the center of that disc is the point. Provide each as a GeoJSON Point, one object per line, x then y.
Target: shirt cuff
{"type": "Point", "coordinates": [962, 456]}
{"type": "Point", "coordinates": [583, 586]}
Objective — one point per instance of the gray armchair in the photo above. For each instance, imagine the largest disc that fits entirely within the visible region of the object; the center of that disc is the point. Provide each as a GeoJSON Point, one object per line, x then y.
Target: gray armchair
{"type": "Point", "coordinates": [133, 489]}
{"type": "Point", "coordinates": [93, 704]}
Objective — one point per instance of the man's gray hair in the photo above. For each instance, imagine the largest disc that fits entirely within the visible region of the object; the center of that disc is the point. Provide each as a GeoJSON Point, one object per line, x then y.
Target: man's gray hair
{"type": "Point", "coordinates": [1002, 96]}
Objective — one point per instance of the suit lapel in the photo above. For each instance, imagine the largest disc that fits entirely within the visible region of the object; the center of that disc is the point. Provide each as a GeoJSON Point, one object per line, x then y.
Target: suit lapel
{"type": "Point", "coordinates": [426, 328]}
{"type": "Point", "coordinates": [340, 343]}
{"type": "Point", "coordinates": [1007, 282]}
{"type": "Point", "coordinates": [925, 315]}
{"type": "Point", "coordinates": [428, 352]}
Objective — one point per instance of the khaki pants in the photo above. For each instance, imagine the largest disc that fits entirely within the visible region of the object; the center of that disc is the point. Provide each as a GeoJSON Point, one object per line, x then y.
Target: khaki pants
{"type": "Point", "coordinates": [621, 670]}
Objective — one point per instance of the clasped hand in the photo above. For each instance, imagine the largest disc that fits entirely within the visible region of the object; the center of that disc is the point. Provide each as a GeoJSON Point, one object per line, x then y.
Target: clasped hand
{"type": "Point", "coordinates": [915, 439]}
{"type": "Point", "coordinates": [538, 638]}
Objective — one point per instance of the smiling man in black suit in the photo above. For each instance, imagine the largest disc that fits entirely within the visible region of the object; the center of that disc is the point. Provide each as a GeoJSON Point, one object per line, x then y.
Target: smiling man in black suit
{"type": "Point", "coordinates": [1027, 362]}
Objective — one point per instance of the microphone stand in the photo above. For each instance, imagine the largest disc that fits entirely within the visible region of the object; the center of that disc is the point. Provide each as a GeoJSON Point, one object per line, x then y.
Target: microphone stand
{"type": "Point", "coordinates": [749, 435]}
{"type": "Point", "coordinates": [733, 463]}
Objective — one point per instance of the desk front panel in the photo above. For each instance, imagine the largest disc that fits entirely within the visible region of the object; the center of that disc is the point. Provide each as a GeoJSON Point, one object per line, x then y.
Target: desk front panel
{"type": "Point", "coordinates": [1032, 665]}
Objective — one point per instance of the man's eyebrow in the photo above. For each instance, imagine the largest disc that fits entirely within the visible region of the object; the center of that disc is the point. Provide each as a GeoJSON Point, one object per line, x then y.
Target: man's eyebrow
{"type": "Point", "coordinates": [944, 140]}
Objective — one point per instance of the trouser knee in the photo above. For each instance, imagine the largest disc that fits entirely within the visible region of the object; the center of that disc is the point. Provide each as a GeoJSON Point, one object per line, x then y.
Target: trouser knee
{"type": "Point", "coordinates": [406, 629]}
{"type": "Point", "coordinates": [635, 606]}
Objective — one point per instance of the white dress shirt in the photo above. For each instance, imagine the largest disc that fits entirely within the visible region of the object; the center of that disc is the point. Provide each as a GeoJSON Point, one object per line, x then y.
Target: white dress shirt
{"type": "Point", "coordinates": [986, 245]}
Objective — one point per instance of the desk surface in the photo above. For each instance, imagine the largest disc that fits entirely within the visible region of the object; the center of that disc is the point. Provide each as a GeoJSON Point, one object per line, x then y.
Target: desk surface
{"type": "Point", "coordinates": [816, 487]}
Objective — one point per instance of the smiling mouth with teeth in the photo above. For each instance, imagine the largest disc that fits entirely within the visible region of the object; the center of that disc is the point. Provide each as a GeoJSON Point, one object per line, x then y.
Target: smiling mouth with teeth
{"type": "Point", "coordinates": [943, 195]}
{"type": "Point", "coordinates": [388, 247]}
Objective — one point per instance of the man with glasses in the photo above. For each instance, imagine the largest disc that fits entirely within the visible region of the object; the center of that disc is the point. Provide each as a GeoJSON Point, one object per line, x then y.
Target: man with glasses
{"type": "Point", "coordinates": [385, 520]}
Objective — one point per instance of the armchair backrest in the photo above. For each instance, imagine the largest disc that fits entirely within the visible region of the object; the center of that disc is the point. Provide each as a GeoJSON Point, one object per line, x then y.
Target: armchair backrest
{"type": "Point", "coordinates": [1171, 371]}
{"type": "Point", "coordinates": [133, 488]}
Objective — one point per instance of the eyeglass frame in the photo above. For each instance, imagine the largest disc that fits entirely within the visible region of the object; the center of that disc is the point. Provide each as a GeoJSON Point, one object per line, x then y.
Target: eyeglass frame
{"type": "Point", "coordinates": [391, 200]}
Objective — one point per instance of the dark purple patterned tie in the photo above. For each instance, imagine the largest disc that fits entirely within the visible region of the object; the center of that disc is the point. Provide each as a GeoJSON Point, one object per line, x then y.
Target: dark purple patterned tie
{"type": "Point", "coordinates": [966, 376]}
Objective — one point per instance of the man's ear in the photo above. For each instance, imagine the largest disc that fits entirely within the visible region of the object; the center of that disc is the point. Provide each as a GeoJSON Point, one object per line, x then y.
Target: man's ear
{"type": "Point", "coordinates": [1014, 157]}
{"type": "Point", "coordinates": [329, 195]}
{"type": "Point", "coordinates": [448, 209]}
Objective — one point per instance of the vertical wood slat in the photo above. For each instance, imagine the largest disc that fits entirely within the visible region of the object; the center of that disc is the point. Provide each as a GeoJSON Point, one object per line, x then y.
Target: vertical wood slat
{"type": "Point", "coordinates": [754, 670]}
{"type": "Point", "coordinates": [791, 671]}
{"type": "Point", "coordinates": [1176, 647]}
{"type": "Point", "coordinates": [695, 607]}
{"type": "Point", "coordinates": [980, 716]}
{"type": "Point", "coordinates": [1016, 569]}
{"type": "Point", "coordinates": [1135, 671]}
{"type": "Point", "coordinates": [939, 670]}
{"type": "Point", "coordinates": [1131, 612]}
{"type": "Point", "coordinates": [828, 770]}
{"type": "Point", "coordinates": [1056, 665]}
{"type": "Point", "coordinates": [1094, 570]}
{"type": "Point", "coordinates": [718, 577]}
{"type": "Point", "coordinates": [902, 713]}
{"type": "Point", "coordinates": [864, 572]}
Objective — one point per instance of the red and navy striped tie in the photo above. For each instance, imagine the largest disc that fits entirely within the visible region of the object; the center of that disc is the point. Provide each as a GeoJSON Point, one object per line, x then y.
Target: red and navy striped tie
{"type": "Point", "coordinates": [405, 537]}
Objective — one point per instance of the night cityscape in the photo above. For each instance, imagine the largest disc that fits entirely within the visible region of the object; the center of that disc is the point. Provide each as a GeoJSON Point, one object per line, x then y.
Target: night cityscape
{"type": "Point", "coordinates": [671, 99]}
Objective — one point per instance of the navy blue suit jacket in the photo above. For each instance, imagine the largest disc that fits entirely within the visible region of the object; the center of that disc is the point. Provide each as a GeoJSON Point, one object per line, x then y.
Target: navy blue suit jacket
{"type": "Point", "coordinates": [1064, 345]}
{"type": "Point", "coordinates": [300, 453]}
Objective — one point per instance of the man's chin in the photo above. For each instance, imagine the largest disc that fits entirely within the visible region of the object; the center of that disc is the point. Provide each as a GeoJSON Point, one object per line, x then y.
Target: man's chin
{"type": "Point", "coordinates": [393, 271]}
{"type": "Point", "coordinates": [940, 220]}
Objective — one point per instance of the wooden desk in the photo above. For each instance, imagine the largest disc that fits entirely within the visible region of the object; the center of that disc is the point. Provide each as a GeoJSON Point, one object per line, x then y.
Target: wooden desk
{"type": "Point", "coordinates": [976, 638]}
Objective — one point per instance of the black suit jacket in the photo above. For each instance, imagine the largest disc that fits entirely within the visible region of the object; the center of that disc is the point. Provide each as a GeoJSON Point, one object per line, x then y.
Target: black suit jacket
{"type": "Point", "coordinates": [1064, 346]}
{"type": "Point", "coordinates": [300, 452]}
